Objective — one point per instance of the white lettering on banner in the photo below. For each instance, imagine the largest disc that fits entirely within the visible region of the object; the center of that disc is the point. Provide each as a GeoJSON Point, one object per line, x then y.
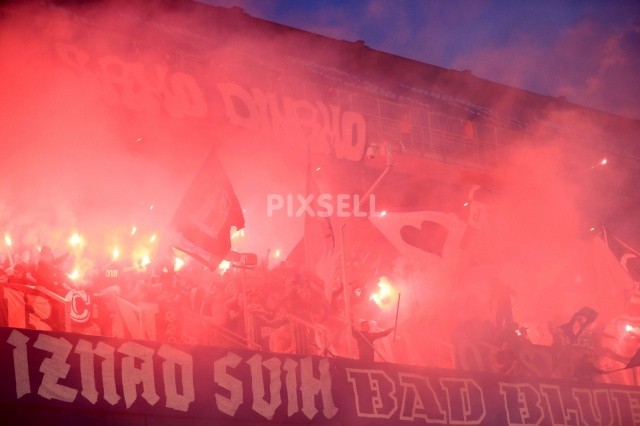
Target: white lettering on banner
{"type": "Point", "coordinates": [87, 353]}
{"type": "Point", "coordinates": [375, 393]}
{"type": "Point", "coordinates": [135, 86]}
{"type": "Point", "coordinates": [292, 394]}
{"type": "Point", "coordinates": [230, 404]}
{"type": "Point", "coordinates": [310, 386]}
{"type": "Point", "coordinates": [559, 414]}
{"type": "Point", "coordinates": [471, 409]}
{"type": "Point", "coordinates": [132, 375]}
{"type": "Point", "coordinates": [595, 406]}
{"type": "Point", "coordinates": [419, 400]}
{"type": "Point", "coordinates": [56, 367]}
{"type": "Point", "coordinates": [172, 359]}
{"type": "Point", "coordinates": [627, 402]}
{"type": "Point", "coordinates": [325, 130]}
{"type": "Point", "coordinates": [79, 305]}
{"type": "Point", "coordinates": [522, 403]}
{"type": "Point", "coordinates": [260, 405]}
{"type": "Point", "coordinates": [394, 396]}
{"type": "Point", "coordinates": [375, 397]}
{"type": "Point", "coordinates": [20, 362]}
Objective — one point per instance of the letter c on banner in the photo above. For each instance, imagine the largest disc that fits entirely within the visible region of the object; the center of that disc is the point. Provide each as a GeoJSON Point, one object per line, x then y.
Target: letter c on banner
{"type": "Point", "coordinates": [79, 305]}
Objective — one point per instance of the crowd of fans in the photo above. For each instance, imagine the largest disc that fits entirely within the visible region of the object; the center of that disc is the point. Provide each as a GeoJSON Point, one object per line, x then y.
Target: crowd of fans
{"type": "Point", "coordinates": [280, 309]}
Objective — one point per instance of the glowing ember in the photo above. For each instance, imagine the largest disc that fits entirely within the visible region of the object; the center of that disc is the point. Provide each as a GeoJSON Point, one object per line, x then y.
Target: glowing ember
{"type": "Point", "coordinates": [277, 253]}
{"type": "Point", "coordinates": [237, 234]}
{"type": "Point", "coordinates": [385, 293]}
{"type": "Point", "coordinates": [7, 239]}
{"type": "Point", "coordinates": [603, 162]}
{"type": "Point", "coordinates": [466, 204]}
{"type": "Point", "coordinates": [134, 229]}
{"type": "Point", "coordinates": [153, 238]}
{"type": "Point", "coordinates": [75, 274]}
{"type": "Point", "coordinates": [628, 328]}
{"type": "Point", "coordinates": [115, 254]}
{"type": "Point", "coordinates": [76, 240]}
{"type": "Point", "coordinates": [223, 267]}
{"type": "Point", "coordinates": [383, 213]}
{"type": "Point", "coordinates": [318, 169]}
{"type": "Point", "coordinates": [145, 261]}
{"type": "Point", "coordinates": [177, 264]}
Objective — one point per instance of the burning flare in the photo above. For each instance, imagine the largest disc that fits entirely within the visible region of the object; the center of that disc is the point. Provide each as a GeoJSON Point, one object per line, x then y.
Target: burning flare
{"type": "Point", "coordinates": [141, 258]}
{"type": "Point", "coordinates": [76, 241]}
{"type": "Point", "coordinates": [178, 263]}
{"type": "Point", "coordinates": [386, 293]}
{"type": "Point", "coordinates": [115, 254]}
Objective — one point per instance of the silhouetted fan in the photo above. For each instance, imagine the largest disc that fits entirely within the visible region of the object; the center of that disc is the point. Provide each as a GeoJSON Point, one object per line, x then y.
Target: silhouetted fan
{"type": "Point", "coordinates": [431, 236]}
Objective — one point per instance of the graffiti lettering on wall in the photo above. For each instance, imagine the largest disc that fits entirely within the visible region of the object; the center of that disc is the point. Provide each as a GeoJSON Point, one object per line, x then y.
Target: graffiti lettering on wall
{"type": "Point", "coordinates": [131, 84]}
{"type": "Point", "coordinates": [326, 129]}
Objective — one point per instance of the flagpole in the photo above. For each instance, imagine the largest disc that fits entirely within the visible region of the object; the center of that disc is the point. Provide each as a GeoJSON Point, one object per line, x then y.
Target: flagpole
{"type": "Point", "coordinates": [395, 327]}
{"type": "Point", "coordinates": [346, 293]}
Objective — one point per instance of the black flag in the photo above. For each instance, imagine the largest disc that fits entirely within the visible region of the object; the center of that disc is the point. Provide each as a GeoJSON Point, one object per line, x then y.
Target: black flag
{"type": "Point", "coordinates": [207, 212]}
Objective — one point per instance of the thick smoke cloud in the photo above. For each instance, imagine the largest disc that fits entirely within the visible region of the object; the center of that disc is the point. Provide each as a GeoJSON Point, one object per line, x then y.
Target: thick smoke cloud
{"type": "Point", "coordinates": [70, 161]}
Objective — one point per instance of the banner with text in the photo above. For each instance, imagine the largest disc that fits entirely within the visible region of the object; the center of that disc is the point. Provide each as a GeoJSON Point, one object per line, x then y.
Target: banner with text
{"type": "Point", "coordinates": [73, 371]}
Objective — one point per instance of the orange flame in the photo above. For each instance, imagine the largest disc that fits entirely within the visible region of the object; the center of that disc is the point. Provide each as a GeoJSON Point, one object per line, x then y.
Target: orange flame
{"type": "Point", "coordinates": [385, 293]}
{"type": "Point", "coordinates": [141, 258]}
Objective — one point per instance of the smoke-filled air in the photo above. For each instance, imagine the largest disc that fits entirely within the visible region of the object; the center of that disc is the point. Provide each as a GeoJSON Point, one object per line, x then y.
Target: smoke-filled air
{"type": "Point", "coordinates": [240, 171]}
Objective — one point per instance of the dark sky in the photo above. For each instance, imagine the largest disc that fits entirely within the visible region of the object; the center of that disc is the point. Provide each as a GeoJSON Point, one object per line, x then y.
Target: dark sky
{"type": "Point", "coordinates": [587, 51]}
